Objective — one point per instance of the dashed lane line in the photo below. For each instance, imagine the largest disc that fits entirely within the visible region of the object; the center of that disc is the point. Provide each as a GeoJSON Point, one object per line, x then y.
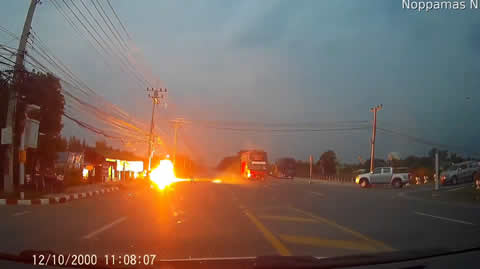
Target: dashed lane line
{"type": "Point", "coordinates": [105, 227]}
{"type": "Point", "coordinates": [456, 189]}
{"type": "Point", "coordinates": [288, 219]}
{"type": "Point", "coordinates": [21, 213]}
{"type": "Point", "coordinates": [317, 194]}
{"type": "Point", "coordinates": [444, 218]}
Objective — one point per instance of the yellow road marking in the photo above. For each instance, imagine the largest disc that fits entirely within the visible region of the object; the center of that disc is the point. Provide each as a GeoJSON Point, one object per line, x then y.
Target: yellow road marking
{"type": "Point", "coordinates": [318, 242]}
{"type": "Point", "coordinates": [287, 218]}
{"type": "Point", "coordinates": [274, 241]}
{"type": "Point", "coordinates": [377, 244]}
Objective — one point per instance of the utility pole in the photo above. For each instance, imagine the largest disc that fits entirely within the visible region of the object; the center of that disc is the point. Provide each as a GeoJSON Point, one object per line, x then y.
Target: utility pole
{"type": "Point", "coordinates": [374, 132]}
{"type": "Point", "coordinates": [158, 95]}
{"type": "Point", "coordinates": [437, 176]}
{"type": "Point", "coordinates": [12, 99]}
{"type": "Point", "coordinates": [177, 123]}
{"type": "Point", "coordinates": [311, 168]}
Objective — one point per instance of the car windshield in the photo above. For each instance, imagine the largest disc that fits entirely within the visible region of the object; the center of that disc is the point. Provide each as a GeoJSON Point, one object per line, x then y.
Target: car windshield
{"type": "Point", "coordinates": [134, 131]}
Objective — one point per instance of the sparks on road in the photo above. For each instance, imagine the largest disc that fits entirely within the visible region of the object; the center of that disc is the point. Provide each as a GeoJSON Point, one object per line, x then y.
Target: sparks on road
{"type": "Point", "coordinates": [164, 175]}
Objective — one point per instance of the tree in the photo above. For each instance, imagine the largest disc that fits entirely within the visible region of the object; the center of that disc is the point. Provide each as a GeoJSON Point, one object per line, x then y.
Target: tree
{"type": "Point", "coordinates": [328, 163]}
{"type": "Point", "coordinates": [74, 145]}
{"type": "Point", "coordinates": [61, 144]}
{"type": "Point", "coordinates": [101, 147]}
{"type": "Point", "coordinates": [454, 158]}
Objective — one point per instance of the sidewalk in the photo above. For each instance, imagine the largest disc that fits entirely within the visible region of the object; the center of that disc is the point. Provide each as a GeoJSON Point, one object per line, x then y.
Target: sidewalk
{"type": "Point", "coordinates": [70, 193]}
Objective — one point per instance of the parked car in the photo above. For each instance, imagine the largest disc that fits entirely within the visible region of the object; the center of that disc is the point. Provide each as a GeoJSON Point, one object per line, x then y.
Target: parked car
{"type": "Point", "coordinates": [459, 172]}
{"type": "Point", "coordinates": [397, 177]}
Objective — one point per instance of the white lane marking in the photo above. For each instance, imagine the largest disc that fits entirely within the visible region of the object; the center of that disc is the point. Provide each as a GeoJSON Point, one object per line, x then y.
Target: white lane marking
{"type": "Point", "coordinates": [444, 218]}
{"type": "Point", "coordinates": [21, 213]}
{"type": "Point", "coordinates": [456, 189]}
{"type": "Point", "coordinates": [104, 228]}
{"type": "Point", "coordinates": [317, 193]}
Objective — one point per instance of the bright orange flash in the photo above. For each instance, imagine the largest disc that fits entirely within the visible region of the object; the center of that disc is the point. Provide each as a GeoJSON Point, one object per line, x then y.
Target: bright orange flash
{"type": "Point", "coordinates": [164, 175]}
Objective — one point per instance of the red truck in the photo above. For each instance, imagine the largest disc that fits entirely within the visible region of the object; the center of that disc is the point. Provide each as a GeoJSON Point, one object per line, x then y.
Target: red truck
{"type": "Point", "coordinates": [254, 164]}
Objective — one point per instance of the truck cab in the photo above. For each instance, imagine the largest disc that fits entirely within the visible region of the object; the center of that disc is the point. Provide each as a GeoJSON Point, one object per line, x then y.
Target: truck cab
{"type": "Point", "coordinates": [254, 164]}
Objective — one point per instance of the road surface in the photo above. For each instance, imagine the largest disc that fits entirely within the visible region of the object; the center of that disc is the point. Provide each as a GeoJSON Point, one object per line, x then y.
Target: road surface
{"type": "Point", "coordinates": [239, 219]}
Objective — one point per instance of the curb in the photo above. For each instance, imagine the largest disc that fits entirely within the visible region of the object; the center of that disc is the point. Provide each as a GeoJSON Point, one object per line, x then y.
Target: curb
{"type": "Point", "coordinates": [57, 200]}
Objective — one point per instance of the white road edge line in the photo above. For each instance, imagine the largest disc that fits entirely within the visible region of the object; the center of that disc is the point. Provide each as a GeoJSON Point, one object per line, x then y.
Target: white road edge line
{"type": "Point", "coordinates": [21, 213]}
{"type": "Point", "coordinates": [104, 228]}
{"type": "Point", "coordinates": [444, 218]}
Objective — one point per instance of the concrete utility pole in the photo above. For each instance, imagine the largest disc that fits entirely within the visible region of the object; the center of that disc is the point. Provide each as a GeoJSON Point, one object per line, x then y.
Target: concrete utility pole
{"type": "Point", "coordinates": [158, 96]}
{"type": "Point", "coordinates": [311, 168]}
{"type": "Point", "coordinates": [177, 123]}
{"type": "Point", "coordinates": [12, 99]}
{"type": "Point", "coordinates": [374, 132]}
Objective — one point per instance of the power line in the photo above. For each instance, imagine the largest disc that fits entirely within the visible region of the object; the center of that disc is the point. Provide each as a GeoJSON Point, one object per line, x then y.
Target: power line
{"type": "Point", "coordinates": [121, 24]}
{"type": "Point", "coordinates": [121, 41]}
{"type": "Point", "coordinates": [96, 40]}
{"type": "Point", "coordinates": [286, 130]}
{"type": "Point", "coordinates": [426, 142]}
{"type": "Point", "coordinates": [79, 83]}
{"type": "Point", "coordinates": [110, 25]}
{"type": "Point", "coordinates": [128, 63]}
{"type": "Point", "coordinates": [98, 113]}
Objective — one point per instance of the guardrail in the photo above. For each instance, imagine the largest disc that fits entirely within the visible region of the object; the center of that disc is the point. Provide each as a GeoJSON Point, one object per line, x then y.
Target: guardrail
{"type": "Point", "coordinates": [333, 179]}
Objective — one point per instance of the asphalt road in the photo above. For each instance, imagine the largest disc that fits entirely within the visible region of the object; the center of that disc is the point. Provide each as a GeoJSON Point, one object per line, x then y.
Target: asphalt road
{"type": "Point", "coordinates": [240, 219]}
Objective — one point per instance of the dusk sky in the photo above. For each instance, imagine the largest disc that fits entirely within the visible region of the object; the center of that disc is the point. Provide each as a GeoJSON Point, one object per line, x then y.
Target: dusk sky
{"type": "Point", "coordinates": [284, 63]}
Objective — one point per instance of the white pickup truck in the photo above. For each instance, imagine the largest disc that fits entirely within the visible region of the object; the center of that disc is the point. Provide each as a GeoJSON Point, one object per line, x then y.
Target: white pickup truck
{"type": "Point", "coordinates": [397, 177]}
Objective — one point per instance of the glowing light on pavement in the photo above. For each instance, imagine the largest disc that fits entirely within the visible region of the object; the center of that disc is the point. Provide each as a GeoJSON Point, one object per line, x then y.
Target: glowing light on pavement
{"type": "Point", "coordinates": [217, 181]}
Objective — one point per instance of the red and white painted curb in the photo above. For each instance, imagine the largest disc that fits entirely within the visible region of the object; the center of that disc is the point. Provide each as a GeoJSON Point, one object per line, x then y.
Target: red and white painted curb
{"type": "Point", "coordinates": [58, 199]}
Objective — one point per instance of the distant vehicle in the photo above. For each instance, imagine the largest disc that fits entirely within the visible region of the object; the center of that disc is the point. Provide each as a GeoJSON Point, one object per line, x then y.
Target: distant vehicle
{"type": "Point", "coordinates": [459, 172]}
{"type": "Point", "coordinates": [254, 164]}
{"type": "Point", "coordinates": [285, 168]}
{"type": "Point", "coordinates": [397, 177]}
